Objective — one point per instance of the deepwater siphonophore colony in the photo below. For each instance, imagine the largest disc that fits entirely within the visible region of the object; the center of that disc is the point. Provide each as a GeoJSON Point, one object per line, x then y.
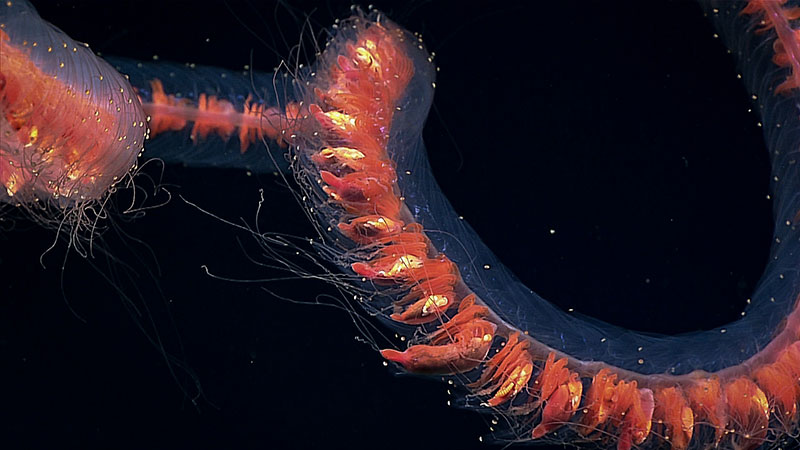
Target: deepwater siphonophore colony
{"type": "Point", "coordinates": [350, 124]}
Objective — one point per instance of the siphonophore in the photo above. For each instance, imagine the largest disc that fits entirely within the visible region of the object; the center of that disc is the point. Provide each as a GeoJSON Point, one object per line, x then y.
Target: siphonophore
{"type": "Point", "coordinates": [619, 414]}
{"type": "Point", "coordinates": [366, 183]}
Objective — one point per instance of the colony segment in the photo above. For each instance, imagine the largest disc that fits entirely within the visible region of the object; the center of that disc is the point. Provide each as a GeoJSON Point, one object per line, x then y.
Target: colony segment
{"type": "Point", "coordinates": [366, 79]}
{"type": "Point", "coordinates": [775, 15]}
{"type": "Point", "coordinates": [211, 115]}
{"type": "Point", "coordinates": [203, 116]}
{"type": "Point", "coordinates": [70, 125]}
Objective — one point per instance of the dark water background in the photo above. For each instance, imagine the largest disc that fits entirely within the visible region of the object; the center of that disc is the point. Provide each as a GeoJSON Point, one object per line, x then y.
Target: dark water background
{"type": "Point", "coordinates": [621, 126]}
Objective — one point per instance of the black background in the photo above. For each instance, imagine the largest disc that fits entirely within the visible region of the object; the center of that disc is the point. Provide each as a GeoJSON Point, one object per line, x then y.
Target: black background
{"type": "Point", "coordinates": [619, 125]}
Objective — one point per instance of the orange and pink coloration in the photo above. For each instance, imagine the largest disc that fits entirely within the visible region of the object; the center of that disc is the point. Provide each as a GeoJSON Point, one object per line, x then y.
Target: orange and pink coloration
{"type": "Point", "coordinates": [77, 147]}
